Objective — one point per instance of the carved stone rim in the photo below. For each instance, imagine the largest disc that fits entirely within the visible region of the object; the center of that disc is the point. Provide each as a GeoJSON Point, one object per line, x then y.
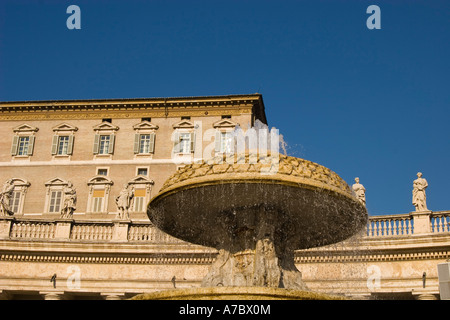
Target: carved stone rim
{"type": "Point", "coordinates": [186, 177]}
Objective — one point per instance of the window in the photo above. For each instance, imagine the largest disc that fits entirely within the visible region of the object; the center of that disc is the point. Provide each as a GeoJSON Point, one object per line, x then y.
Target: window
{"type": "Point", "coordinates": [98, 197]}
{"type": "Point", "coordinates": [55, 201]}
{"type": "Point", "coordinates": [144, 138]}
{"type": "Point", "coordinates": [99, 189]}
{"type": "Point", "coordinates": [22, 148]}
{"type": "Point", "coordinates": [139, 200]}
{"type": "Point", "coordinates": [23, 140]}
{"type": "Point", "coordinates": [185, 142]}
{"type": "Point", "coordinates": [14, 201]}
{"type": "Point", "coordinates": [103, 147]}
{"type": "Point", "coordinates": [55, 195]}
{"type": "Point", "coordinates": [226, 142]}
{"type": "Point", "coordinates": [22, 145]}
{"type": "Point", "coordinates": [142, 187]}
{"type": "Point", "coordinates": [144, 143]}
{"type": "Point", "coordinates": [17, 190]}
{"type": "Point", "coordinates": [103, 144]}
{"type": "Point", "coordinates": [102, 172]}
{"type": "Point", "coordinates": [142, 171]}
{"type": "Point", "coordinates": [62, 143]}
{"type": "Point", "coordinates": [109, 120]}
{"type": "Point", "coordinates": [104, 138]}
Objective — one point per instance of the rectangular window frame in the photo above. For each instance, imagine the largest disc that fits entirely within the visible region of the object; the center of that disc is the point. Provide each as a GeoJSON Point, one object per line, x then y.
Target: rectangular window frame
{"type": "Point", "coordinates": [55, 201]}
{"type": "Point", "coordinates": [104, 144]}
{"type": "Point", "coordinates": [22, 146]}
{"type": "Point", "coordinates": [144, 143]}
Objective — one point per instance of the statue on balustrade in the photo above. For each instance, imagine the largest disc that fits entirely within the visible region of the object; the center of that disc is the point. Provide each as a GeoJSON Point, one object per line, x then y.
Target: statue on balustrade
{"type": "Point", "coordinates": [123, 202]}
{"type": "Point", "coordinates": [419, 197]}
{"type": "Point", "coordinates": [5, 198]}
{"type": "Point", "coordinates": [70, 201]}
{"type": "Point", "coordinates": [359, 191]}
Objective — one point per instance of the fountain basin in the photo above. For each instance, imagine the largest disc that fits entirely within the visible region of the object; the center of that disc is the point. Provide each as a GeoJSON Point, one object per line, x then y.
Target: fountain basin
{"type": "Point", "coordinates": [256, 215]}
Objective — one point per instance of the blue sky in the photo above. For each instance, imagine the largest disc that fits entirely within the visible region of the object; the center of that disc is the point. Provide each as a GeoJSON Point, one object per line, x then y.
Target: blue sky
{"type": "Point", "coordinates": [368, 103]}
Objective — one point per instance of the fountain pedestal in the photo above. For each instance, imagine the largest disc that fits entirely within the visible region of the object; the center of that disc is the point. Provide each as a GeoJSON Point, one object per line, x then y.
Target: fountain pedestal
{"type": "Point", "coordinates": [257, 253]}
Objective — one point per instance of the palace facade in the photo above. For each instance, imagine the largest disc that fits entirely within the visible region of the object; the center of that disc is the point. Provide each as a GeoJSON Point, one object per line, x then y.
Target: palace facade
{"type": "Point", "coordinates": [98, 147]}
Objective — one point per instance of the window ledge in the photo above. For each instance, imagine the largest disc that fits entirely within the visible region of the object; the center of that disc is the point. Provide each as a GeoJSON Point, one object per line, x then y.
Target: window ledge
{"type": "Point", "coordinates": [59, 157]}
{"type": "Point", "coordinates": [21, 158]}
{"type": "Point", "coordinates": [103, 156]}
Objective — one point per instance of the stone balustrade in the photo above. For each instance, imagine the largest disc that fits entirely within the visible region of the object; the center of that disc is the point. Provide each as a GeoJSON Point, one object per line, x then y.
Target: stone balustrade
{"type": "Point", "coordinates": [401, 225]}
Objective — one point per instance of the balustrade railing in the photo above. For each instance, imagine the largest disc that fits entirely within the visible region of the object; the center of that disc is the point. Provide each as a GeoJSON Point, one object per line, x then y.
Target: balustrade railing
{"type": "Point", "coordinates": [440, 222]}
{"type": "Point", "coordinates": [401, 225]}
{"type": "Point", "coordinates": [148, 232]}
{"type": "Point", "coordinates": [33, 229]}
{"type": "Point", "coordinates": [398, 225]}
{"type": "Point", "coordinates": [94, 231]}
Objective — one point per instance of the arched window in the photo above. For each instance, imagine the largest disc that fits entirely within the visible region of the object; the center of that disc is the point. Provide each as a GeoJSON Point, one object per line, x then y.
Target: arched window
{"type": "Point", "coordinates": [142, 187]}
{"type": "Point", "coordinates": [54, 195]}
{"type": "Point", "coordinates": [17, 194]}
{"type": "Point", "coordinates": [99, 190]}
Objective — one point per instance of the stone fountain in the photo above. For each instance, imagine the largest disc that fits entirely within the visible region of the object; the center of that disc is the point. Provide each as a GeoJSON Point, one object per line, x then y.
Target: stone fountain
{"type": "Point", "coordinates": [256, 217]}
{"type": "Point", "coordinates": [256, 207]}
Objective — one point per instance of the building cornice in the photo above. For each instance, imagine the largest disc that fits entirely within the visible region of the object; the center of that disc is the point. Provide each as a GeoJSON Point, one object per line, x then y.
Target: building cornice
{"type": "Point", "coordinates": [128, 108]}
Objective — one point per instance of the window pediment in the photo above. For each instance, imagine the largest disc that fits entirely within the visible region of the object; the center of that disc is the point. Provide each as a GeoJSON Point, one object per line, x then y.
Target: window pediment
{"type": "Point", "coordinates": [225, 123]}
{"type": "Point", "coordinates": [183, 124]}
{"type": "Point", "coordinates": [65, 127]}
{"type": "Point", "coordinates": [56, 182]}
{"type": "Point", "coordinates": [100, 179]}
{"type": "Point", "coordinates": [141, 180]}
{"type": "Point", "coordinates": [105, 126]}
{"type": "Point", "coordinates": [20, 182]}
{"type": "Point", "coordinates": [145, 125]}
{"type": "Point", "coordinates": [25, 128]}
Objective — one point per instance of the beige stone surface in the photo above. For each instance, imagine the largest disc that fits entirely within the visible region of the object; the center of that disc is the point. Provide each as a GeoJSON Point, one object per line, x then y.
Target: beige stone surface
{"type": "Point", "coordinates": [236, 293]}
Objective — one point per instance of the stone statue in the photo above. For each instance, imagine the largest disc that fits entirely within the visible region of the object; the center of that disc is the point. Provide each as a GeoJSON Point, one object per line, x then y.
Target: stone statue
{"type": "Point", "coordinates": [419, 198]}
{"type": "Point", "coordinates": [70, 201]}
{"type": "Point", "coordinates": [123, 202]}
{"type": "Point", "coordinates": [359, 191]}
{"type": "Point", "coordinates": [5, 198]}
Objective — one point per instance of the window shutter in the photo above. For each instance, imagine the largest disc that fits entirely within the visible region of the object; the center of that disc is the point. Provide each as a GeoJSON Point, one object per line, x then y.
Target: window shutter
{"type": "Point", "coordinates": [176, 145]}
{"type": "Point", "coordinates": [111, 144]}
{"type": "Point", "coordinates": [70, 145]}
{"type": "Point", "coordinates": [15, 143]}
{"type": "Point", "coordinates": [152, 143]}
{"type": "Point", "coordinates": [136, 143]}
{"type": "Point", "coordinates": [217, 141]}
{"type": "Point", "coordinates": [55, 144]}
{"type": "Point", "coordinates": [192, 142]}
{"type": "Point", "coordinates": [31, 146]}
{"type": "Point", "coordinates": [96, 144]}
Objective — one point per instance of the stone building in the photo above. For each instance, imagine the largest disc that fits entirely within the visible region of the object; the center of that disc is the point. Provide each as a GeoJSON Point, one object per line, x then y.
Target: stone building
{"type": "Point", "coordinates": [100, 146]}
